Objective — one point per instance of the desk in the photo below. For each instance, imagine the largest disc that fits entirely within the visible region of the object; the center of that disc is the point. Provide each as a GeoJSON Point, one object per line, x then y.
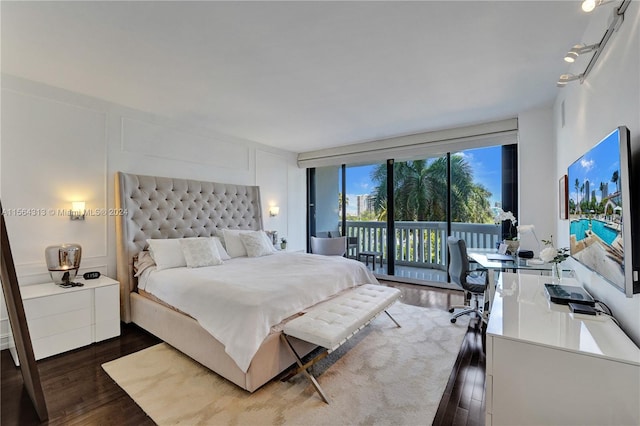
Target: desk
{"type": "Point", "coordinates": [517, 264]}
{"type": "Point", "coordinates": [546, 367]}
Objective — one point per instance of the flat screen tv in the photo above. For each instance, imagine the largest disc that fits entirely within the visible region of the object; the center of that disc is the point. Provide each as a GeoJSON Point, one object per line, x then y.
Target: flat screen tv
{"type": "Point", "coordinates": [604, 219]}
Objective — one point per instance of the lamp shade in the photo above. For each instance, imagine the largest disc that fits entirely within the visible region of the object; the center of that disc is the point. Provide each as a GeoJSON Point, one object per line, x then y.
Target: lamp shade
{"type": "Point", "coordinates": [63, 262]}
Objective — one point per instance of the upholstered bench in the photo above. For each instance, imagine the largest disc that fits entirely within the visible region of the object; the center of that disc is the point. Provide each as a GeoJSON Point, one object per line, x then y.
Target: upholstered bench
{"type": "Point", "coordinates": [329, 324]}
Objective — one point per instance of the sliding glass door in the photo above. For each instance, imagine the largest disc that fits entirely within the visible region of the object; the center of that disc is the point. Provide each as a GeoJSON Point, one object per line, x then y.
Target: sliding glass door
{"type": "Point", "coordinates": [405, 210]}
{"type": "Point", "coordinates": [476, 195]}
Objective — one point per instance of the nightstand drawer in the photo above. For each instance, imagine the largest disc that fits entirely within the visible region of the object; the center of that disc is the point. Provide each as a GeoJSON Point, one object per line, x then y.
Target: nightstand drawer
{"type": "Point", "coordinates": [57, 304]}
{"type": "Point", "coordinates": [52, 345]}
{"type": "Point", "coordinates": [59, 323]}
{"type": "Point", "coordinates": [107, 330]}
{"type": "Point", "coordinates": [107, 303]}
{"type": "Point", "coordinates": [61, 319]}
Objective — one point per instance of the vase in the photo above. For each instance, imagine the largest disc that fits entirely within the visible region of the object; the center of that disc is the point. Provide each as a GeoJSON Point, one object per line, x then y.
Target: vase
{"type": "Point", "coordinates": [283, 246]}
{"type": "Point", "coordinates": [512, 245]}
{"type": "Point", "coordinates": [556, 273]}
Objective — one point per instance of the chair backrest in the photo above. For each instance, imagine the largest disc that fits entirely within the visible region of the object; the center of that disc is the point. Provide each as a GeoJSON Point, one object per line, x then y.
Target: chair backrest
{"type": "Point", "coordinates": [329, 246]}
{"type": "Point", "coordinates": [458, 261]}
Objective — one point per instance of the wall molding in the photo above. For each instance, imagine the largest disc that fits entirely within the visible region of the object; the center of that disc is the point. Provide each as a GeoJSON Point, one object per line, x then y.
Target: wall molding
{"type": "Point", "coordinates": [160, 141]}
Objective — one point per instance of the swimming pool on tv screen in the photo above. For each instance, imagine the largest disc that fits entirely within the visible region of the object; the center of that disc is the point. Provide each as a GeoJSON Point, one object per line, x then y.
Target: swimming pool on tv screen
{"type": "Point", "coordinates": [580, 227]}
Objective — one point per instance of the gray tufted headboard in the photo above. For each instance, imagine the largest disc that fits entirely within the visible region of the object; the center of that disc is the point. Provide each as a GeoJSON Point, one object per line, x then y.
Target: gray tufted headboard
{"type": "Point", "coordinates": [160, 207]}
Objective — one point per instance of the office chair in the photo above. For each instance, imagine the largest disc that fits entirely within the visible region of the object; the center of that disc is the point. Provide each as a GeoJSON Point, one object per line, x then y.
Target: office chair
{"type": "Point", "coordinates": [474, 283]}
{"type": "Point", "coordinates": [329, 246]}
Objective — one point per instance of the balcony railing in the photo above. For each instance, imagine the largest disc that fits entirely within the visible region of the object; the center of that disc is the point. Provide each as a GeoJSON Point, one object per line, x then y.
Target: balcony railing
{"type": "Point", "coordinates": [421, 244]}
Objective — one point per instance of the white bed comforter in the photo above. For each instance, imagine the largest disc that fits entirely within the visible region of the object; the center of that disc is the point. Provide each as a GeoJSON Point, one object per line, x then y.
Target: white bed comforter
{"type": "Point", "coordinates": [239, 301]}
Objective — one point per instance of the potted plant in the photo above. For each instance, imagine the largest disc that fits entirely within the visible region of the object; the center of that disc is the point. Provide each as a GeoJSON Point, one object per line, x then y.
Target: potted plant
{"type": "Point", "coordinates": [283, 243]}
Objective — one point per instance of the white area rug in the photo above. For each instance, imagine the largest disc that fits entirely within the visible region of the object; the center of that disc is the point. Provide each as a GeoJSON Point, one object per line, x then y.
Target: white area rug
{"type": "Point", "coordinates": [383, 375]}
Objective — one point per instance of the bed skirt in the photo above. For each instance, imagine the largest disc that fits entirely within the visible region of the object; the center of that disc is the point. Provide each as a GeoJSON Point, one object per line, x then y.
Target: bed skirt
{"type": "Point", "coordinates": [185, 334]}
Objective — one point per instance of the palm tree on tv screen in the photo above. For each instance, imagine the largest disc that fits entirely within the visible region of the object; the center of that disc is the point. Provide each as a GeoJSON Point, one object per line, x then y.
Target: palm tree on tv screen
{"type": "Point", "coordinates": [615, 178]}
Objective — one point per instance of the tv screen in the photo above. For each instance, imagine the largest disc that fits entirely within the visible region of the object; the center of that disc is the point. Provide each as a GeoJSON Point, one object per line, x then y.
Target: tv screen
{"type": "Point", "coordinates": [600, 210]}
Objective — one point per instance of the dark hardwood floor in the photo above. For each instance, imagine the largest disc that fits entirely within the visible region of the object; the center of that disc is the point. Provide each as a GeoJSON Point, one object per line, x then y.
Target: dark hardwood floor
{"type": "Point", "coordinates": [79, 392]}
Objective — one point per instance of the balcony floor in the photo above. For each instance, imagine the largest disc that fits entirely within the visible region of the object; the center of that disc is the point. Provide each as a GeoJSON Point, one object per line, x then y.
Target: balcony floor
{"type": "Point", "coordinates": [414, 275]}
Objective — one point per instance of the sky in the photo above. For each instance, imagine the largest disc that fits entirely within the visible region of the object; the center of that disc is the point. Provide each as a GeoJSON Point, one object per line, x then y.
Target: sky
{"type": "Point", "coordinates": [486, 164]}
{"type": "Point", "coordinates": [597, 165]}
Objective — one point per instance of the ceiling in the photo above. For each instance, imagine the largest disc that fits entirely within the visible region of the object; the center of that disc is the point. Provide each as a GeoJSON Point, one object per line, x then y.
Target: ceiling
{"type": "Point", "coordinates": [300, 76]}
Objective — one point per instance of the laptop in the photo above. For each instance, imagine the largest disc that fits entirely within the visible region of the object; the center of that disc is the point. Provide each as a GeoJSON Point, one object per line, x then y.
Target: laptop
{"type": "Point", "coordinates": [565, 294]}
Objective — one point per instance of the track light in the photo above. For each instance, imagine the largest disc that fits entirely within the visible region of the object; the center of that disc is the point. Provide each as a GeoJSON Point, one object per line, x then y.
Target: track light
{"type": "Point", "coordinates": [589, 5]}
{"type": "Point", "coordinates": [565, 78]}
{"type": "Point", "coordinates": [578, 50]}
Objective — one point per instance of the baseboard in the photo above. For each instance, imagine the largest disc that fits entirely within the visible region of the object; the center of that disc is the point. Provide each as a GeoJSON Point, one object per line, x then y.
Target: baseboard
{"type": "Point", "coordinates": [4, 342]}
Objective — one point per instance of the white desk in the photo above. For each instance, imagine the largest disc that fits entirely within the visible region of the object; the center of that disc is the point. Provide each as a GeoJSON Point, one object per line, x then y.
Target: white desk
{"type": "Point", "coordinates": [493, 266]}
{"type": "Point", "coordinates": [545, 367]}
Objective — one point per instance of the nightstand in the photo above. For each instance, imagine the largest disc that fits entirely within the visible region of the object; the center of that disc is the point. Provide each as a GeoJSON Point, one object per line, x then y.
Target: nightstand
{"type": "Point", "coordinates": [61, 319]}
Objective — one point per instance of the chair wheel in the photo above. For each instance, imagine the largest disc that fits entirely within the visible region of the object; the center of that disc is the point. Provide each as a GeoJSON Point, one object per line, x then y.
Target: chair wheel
{"type": "Point", "coordinates": [453, 320]}
{"type": "Point", "coordinates": [451, 310]}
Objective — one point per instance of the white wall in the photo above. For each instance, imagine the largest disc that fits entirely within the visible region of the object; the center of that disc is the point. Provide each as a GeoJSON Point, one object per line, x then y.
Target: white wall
{"type": "Point", "coordinates": [609, 97]}
{"type": "Point", "coordinates": [327, 188]}
{"type": "Point", "coordinates": [536, 165]}
{"type": "Point", "coordinates": [59, 146]}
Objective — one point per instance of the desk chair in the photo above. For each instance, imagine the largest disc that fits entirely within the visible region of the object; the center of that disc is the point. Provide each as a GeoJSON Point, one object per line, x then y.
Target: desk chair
{"type": "Point", "coordinates": [474, 283]}
{"type": "Point", "coordinates": [329, 246]}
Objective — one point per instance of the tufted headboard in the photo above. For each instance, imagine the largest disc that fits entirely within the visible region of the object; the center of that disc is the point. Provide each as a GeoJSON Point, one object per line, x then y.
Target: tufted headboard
{"type": "Point", "coordinates": [160, 207]}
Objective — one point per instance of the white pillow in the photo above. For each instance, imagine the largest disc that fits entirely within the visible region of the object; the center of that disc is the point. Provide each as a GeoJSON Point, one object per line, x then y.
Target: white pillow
{"type": "Point", "coordinates": [233, 243]}
{"type": "Point", "coordinates": [167, 253]}
{"type": "Point", "coordinates": [223, 253]}
{"type": "Point", "coordinates": [199, 252]}
{"type": "Point", "coordinates": [256, 244]}
{"type": "Point", "coordinates": [269, 242]}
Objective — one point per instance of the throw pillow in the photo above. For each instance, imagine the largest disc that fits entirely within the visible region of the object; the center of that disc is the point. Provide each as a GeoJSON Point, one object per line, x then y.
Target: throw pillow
{"type": "Point", "coordinates": [199, 252]}
{"type": "Point", "coordinates": [257, 244]}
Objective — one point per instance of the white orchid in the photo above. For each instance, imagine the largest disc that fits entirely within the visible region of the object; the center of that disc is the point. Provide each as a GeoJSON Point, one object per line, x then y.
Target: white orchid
{"type": "Point", "coordinates": [502, 216]}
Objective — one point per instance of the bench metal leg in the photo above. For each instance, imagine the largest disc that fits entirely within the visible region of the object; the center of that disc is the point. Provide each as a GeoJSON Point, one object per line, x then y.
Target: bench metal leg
{"type": "Point", "coordinates": [392, 318]}
{"type": "Point", "coordinates": [302, 368]}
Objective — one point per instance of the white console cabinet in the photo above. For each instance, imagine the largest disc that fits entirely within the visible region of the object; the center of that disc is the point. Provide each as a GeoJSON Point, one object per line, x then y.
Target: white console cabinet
{"type": "Point", "coordinates": [61, 319]}
{"type": "Point", "coordinates": [545, 367]}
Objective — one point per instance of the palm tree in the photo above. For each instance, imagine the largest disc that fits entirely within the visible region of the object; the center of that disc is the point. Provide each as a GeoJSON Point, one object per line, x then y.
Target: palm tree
{"type": "Point", "coordinates": [346, 201]}
{"type": "Point", "coordinates": [616, 179]}
{"type": "Point", "coordinates": [420, 191]}
{"type": "Point", "coordinates": [577, 186]}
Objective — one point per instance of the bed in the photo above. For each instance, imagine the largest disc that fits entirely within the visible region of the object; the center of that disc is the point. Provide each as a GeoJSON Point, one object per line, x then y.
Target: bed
{"type": "Point", "coordinates": [160, 208]}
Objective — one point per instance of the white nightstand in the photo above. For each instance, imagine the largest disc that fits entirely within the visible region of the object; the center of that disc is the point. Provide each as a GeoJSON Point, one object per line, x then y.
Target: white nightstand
{"type": "Point", "coordinates": [61, 319]}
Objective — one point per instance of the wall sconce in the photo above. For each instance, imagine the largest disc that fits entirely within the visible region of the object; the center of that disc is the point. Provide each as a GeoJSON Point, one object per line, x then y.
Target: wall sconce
{"type": "Point", "coordinates": [77, 210]}
{"type": "Point", "coordinates": [274, 211]}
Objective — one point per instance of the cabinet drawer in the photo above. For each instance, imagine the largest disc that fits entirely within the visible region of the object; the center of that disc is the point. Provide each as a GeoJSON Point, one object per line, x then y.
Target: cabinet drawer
{"type": "Point", "coordinates": [107, 329]}
{"type": "Point", "coordinates": [57, 304]}
{"type": "Point", "coordinates": [59, 323]}
{"type": "Point", "coordinates": [63, 342]}
{"type": "Point", "coordinates": [107, 302]}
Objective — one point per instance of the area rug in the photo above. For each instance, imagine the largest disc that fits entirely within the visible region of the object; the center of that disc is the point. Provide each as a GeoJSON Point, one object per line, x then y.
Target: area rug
{"type": "Point", "coordinates": [383, 375]}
